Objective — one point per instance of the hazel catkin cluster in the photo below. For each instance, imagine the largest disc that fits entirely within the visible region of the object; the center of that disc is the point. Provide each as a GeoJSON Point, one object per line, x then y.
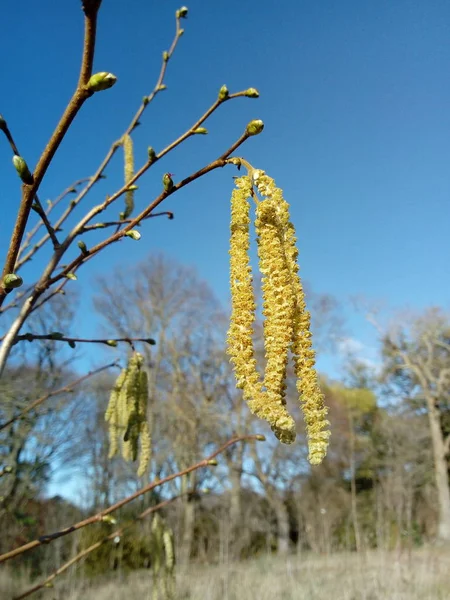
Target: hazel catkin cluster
{"type": "Point", "coordinates": [286, 320]}
{"type": "Point", "coordinates": [127, 414]}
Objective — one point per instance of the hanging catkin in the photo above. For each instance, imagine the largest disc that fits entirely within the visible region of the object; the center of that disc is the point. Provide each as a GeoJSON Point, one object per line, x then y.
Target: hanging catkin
{"type": "Point", "coordinates": [286, 320]}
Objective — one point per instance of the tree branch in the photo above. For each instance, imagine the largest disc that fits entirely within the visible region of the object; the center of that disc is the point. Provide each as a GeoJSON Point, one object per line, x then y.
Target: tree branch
{"type": "Point", "coordinates": [62, 390]}
{"type": "Point", "coordinates": [29, 191]}
{"type": "Point", "coordinates": [92, 547]}
{"type": "Point", "coordinates": [209, 461]}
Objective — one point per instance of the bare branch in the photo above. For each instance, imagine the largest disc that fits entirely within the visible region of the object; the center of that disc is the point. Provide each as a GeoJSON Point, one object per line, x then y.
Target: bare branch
{"type": "Point", "coordinates": [63, 390]}
{"type": "Point", "coordinates": [209, 461]}
{"type": "Point", "coordinates": [92, 547]}
{"type": "Point", "coordinates": [29, 190]}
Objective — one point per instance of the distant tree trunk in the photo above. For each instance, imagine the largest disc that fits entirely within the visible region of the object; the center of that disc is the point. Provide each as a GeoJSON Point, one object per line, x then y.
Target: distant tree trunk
{"type": "Point", "coordinates": [188, 526]}
{"type": "Point", "coordinates": [440, 470]}
{"type": "Point", "coordinates": [353, 484]}
{"type": "Point", "coordinates": [236, 537]}
{"type": "Point", "coordinates": [282, 519]}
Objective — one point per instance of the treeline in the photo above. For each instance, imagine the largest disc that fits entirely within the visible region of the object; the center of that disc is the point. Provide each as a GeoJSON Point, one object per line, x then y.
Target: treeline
{"type": "Point", "coordinates": [383, 485]}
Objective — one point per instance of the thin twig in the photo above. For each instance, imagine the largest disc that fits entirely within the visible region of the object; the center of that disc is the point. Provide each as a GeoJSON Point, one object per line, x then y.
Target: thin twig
{"type": "Point", "coordinates": [62, 390]}
{"type": "Point", "coordinates": [166, 213]}
{"type": "Point", "coordinates": [58, 337]}
{"type": "Point", "coordinates": [37, 206]}
{"type": "Point", "coordinates": [133, 124]}
{"type": "Point", "coordinates": [21, 261]}
{"type": "Point", "coordinates": [45, 539]}
{"type": "Point", "coordinates": [219, 163]}
{"type": "Point", "coordinates": [92, 547]}
{"type": "Point", "coordinates": [29, 191]}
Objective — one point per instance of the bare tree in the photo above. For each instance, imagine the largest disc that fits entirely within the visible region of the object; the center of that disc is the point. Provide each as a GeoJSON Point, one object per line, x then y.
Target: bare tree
{"type": "Point", "coordinates": [417, 356]}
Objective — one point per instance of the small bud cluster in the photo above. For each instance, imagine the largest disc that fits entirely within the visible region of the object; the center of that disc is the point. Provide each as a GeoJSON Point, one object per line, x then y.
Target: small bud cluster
{"type": "Point", "coordinates": [286, 323]}
{"type": "Point", "coordinates": [127, 414]}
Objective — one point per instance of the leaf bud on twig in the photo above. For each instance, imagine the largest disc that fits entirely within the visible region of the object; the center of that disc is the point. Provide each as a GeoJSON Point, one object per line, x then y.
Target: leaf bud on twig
{"type": "Point", "coordinates": [255, 127]}
{"type": "Point", "coordinates": [223, 93]}
{"type": "Point", "coordinates": [82, 246]}
{"type": "Point", "coordinates": [252, 93]}
{"type": "Point", "coordinates": [111, 343]}
{"type": "Point", "coordinates": [182, 12]}
{"type": "Point", "coordinates": [12, 281]}
{"type": "Point", "coordinates": [22, 169]}
{"type": "Point", "coordinates": [133, 234]}
{"type": "Point", "coordinates": [101, 81]}
{"type": "Point", "coordinates": [151, 154]}
{"type": "Point", "coordinates": [200, 130]}
{"type": "Point", "coordinates": [168, 182]}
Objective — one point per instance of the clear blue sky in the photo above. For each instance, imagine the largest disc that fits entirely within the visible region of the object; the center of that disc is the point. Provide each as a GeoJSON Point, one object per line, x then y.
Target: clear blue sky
{"type": "Point", "coordinates": [355, 97]}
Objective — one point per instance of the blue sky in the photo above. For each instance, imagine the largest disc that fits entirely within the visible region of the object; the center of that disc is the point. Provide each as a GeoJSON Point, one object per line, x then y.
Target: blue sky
{"type": "Point", "coordinates": [355, 97]}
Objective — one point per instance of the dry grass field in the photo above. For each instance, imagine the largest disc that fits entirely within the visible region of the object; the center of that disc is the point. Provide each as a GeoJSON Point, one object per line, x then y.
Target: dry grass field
{"type": "Point", "coordinates": [422, 575]}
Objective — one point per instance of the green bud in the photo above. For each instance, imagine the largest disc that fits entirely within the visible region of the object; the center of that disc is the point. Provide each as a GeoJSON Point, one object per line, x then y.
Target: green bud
{"type": "Point", "coordinates": [200, 130]}
{"type": "Point", "coordinates": [260, 437]}
{"type": "Point", "coordinates": [49, 584]}
{"type": "Point", "coordinates": [99, 225]}
{"type": "Point", "coordinates": [12, 281]}
{"type": "Point", "coordinates": [8, 470]}
{"type": "Point", "coordinates": [166, 56]}
{"type": "Point", "coordinates": [132, 188]}
{"type": "Point", "coordinates": [56, 335]}
{"type": "Point", "coordinates": [101, 81]}
{"type": "Point", "coordinates": [145, 100]}
{"type": "Point", "coordinates": [255, 127]}
{"type": "Point", "coordinates": [168, 182]}
{"type": "Point", "coordinates": [22, 169]}
{"type": "Point", "coordinates": [151, 154]}
{"type": "Point", "coordinates": [223, 93]}
{"type": "Point", "coordinates": [135, 235]}
{"type": "Point", "coordinates": [71, 276]}
{"type": "Point", "coordinates": [182, 12]}
{"type": "Point", "coordinates": [252, 93]}
{"type": "Point", "coordinates": [162, 87]}
{"type": "Point", "coordinates": [82, 246]}
{"type": "Point", "coordinates": [111, 343]}
{"type": "Point", "coordinates": [108, 519]}
{"type": "Point", "coordinates": [213, 462]}
{"type": "Point", "coordinates": [180, 32]}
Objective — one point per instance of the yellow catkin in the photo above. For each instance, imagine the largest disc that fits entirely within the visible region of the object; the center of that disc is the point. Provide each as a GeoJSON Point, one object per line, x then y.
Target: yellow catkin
{"type": "Point", "coordinates": [127, 414]}
{"type": "Point", "coordinates": [112, 412]}
{"type": "Point", "coordinates": [128, 156]}
{"type": "Point", "coordinates": [240, 343]}
{"type": "Point", "coordinates": [286, 320]}
{"type": "Point", "coordinates": [278, 307]}
{"type": "Point", "coordinates": [311, 398]}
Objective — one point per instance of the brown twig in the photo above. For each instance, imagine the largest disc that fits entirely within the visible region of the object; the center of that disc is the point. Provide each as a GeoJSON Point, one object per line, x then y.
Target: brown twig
{"type": "Point", "coordinates": [133, 124]}
{"type": "Point", "coordinates": [219, 163]}
{"type": "Point", "coordinates": [62, 390]}
{"type": "Point", "coordinates": [37, 206]}
{"type": "Point", "coordinates": [21, 261]}
{"type": "Point", "coordinates": [86, 551]}
{"type": "Point", "coordinates": [209, 461]}
{"type": "Point", "coordinates": [30, 190]}
{"type": "Point", "coordinates": [94, 226]}
{"type": "Point", "coordinates": [58, 337]}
